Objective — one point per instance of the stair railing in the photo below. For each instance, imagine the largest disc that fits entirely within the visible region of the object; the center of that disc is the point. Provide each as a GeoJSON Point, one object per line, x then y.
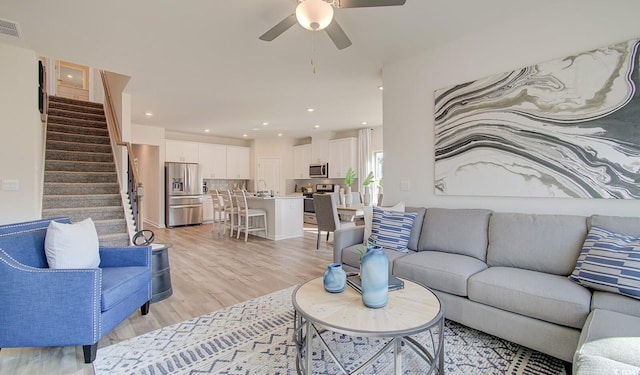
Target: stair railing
{"type": "Point", "coordinates": [135, 188]}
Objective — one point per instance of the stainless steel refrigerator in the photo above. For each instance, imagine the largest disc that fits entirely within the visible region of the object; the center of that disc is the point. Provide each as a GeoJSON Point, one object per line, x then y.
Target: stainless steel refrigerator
{"type": "Point", "coordinates": [183, 188]}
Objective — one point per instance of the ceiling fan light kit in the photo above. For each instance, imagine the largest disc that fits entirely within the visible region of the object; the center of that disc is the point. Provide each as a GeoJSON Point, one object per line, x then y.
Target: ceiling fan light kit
{"type": "Point", "coordinates": [314, 15]}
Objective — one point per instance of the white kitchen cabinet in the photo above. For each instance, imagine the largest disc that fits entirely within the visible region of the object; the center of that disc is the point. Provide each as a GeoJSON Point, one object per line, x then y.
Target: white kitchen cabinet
{"type": "Point", "coordinates": [238, 162]}
{"type": "Point", "coordinates": [213, 160]}
{"type": "Point", "coordinates": [181, 152]}
{"type": "Point", "coordinates": [207, 208]}
{"type": "Point", "coordinates": [301, 161]}
{"type": "Point", "coordinates": [342, 155]}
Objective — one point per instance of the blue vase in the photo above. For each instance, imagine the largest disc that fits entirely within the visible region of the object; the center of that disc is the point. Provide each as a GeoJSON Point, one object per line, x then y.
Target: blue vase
{"type": "Point", "coordinates": [335, 279]}
{"type": "Point", "coordinates": [374, 274]}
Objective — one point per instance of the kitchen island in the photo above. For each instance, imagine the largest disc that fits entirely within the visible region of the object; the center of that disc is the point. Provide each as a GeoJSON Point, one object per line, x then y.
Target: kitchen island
{"type": "Point", "coordinates": [284, 216]}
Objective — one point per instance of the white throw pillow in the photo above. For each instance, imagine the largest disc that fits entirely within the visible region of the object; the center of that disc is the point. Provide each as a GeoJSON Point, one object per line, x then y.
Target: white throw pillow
{"type": "Point", "coordinates": [368, 216]}
{"type": "Point", "coordinates": [72, 245]}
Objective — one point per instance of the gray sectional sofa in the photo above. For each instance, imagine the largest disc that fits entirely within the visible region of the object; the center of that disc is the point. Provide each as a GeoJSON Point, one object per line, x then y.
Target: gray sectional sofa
{"type": "Point", "coordinates": [507, 274]}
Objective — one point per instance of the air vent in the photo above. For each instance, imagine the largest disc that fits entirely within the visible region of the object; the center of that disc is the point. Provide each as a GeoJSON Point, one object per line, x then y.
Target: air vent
{"type": "Point", "coordinates": [9, 28]}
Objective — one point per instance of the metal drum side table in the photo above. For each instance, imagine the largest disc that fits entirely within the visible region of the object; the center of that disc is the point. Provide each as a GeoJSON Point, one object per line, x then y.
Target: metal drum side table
{"type": "Point", "coordinates": [409, 312]}
{"type": "Point", "coordinates": [161, 272]}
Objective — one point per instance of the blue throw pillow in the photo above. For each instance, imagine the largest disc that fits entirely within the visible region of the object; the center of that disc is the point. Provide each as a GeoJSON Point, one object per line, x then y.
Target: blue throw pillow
{"type": "Point", "coordinates": [609, 262]}
{"type": "Point", "coordinates": [392, 230]}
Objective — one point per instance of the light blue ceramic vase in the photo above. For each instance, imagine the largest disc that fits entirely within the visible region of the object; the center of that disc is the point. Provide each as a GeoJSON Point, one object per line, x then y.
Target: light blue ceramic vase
{"type": "Point", "coordinates": [335, 279]}
{"type": "Point", "coordinates": [374, 273]}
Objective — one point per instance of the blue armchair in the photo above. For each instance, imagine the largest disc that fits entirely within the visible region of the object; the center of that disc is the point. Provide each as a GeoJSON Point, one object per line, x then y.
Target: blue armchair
{"type": "Point", "coordinates": [64, 307]}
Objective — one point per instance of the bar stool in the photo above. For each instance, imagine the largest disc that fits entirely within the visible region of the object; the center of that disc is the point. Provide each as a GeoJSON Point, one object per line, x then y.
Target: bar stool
{"type": "Point", "coordinates": [245, 212]}
{"type": "Point", "coordinates": [219, 214]}
{"type": "Point", "coordinates": [230, 213]}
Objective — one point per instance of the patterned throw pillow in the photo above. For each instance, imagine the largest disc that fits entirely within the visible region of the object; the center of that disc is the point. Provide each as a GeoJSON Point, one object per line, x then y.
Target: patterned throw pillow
{"type": "Point", "coordinates": [609, 262]}
{"type": "Point", "coordinates": [392, 230]}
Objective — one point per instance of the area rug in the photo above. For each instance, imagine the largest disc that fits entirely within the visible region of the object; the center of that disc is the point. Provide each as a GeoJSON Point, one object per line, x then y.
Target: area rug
{"type": "Point", "coordinates": [256, 337]}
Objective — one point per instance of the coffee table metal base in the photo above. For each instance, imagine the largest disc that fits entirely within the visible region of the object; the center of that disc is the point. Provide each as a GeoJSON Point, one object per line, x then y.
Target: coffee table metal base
{"type": "Point", "coordinates": [305, 331]}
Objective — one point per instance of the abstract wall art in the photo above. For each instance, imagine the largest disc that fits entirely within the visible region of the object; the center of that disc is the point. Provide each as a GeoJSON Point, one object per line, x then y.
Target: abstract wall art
{"type": "Point", "coordinates": [565, 128]}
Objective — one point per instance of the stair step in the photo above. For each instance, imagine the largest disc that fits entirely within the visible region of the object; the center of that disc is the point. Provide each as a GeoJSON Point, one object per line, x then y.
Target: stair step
{"type": "Point", "coordinates": [75, 107]}
{"type": "Point", "coordinates": [80, 213]}
{"type": "Point", "coordinates": [75, 177]}
{"type": "Point", "coordinates": [112, 226]}
{"type": "Point", "coordinates": [114, 240]}
{"type": "Point", "coordinates": [98, 157]}
{"type": "Point", "coordinates": [76, 201]}
{"type": "Point", "coordinates": [81, 188]}
{"type": "Point", "coordinates": [78, 166]}
{"type": "Point", "coordinates": [79, 147]}
{"type": "Point", "coordinates": [71, 129]}
{"type": "Point", "coordinates": [75, 122]}
{"type": "Point", "coordinates": [76, 115]}
{"type": "Point", "coordinates": [79, 138]}
{"type": "Point", "coordinates": [60, 99]}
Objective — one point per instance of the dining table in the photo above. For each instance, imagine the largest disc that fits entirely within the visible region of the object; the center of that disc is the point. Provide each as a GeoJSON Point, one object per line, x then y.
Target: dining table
{"type": "Point", "coordinates": [350, 213]}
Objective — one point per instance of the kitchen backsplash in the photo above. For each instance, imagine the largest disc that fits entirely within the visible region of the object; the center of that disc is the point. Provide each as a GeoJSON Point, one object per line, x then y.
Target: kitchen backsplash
{"type": "Point", "coordinates": [227, 184]}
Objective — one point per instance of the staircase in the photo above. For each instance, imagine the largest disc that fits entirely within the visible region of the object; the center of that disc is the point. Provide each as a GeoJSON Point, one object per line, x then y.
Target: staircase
{"type": "Point", "coordinates": [80, 178]}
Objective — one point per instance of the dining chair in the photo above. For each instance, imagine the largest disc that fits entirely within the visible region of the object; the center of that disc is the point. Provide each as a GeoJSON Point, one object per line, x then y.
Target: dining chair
{"type": "Point", "coordinates": [245, 213]}
{"type": "Point", "coordinates": [230, 213]}
{"type": "Point", "coordinates": [327, 216]}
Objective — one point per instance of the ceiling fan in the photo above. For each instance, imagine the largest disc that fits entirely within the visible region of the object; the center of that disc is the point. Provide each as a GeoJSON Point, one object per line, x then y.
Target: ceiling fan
{"type": "Point", "coordinates": [316, 15]}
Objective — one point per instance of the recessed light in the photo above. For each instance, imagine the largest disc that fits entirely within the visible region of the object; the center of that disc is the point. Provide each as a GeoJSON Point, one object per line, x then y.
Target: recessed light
{"type": "Point", "coordinates": [364, 123]}
{"type": "Point", "coordinates": [148, 114]}
{"type": "Point", "coordinates": [69, 76]}
{"type": "Point", "coordinates": [256, 129]}
{"type": "Point", "coordinates": [316, 126]}
{"type": "Point", "coordinates": [310, 109]}
{"type": "Point", "coordinates": [380, 88]}
{"type": "Point", "coordinates": [279, 134]}
{"type": "Point", "coordinates": [206, 130]}
{"type": "Point", "coordinates": [245, 135]}
{"type": "Point", "coordinates": [265, 123]}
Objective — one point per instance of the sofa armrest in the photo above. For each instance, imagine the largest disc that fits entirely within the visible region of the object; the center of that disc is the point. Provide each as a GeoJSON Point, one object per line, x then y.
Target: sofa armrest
{"type": "Point", "coordinates": [53, 307]}
{"type": "Point", "coordinates": [343, 238]}
{"type": "Point", "coordinates": [125, 256]}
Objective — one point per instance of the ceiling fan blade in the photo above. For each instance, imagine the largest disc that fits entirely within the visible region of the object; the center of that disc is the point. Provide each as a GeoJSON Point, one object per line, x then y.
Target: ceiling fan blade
{"type": "Point", "coordinates": [280, 28]}
{"type": "Point", "coordinates": [340, 39]}
{"type": "Point", "coordinates": [369, 3]}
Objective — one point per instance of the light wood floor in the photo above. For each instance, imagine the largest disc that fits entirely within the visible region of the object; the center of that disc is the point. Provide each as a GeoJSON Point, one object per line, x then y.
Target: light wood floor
{"type": "Point", "coordinates": [208, 272]}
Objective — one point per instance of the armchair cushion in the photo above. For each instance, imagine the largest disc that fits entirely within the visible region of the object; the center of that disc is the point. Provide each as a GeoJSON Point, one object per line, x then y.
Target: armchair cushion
{"type": "Point", "coordinates": [72, 245]}
{"type": "Point", "coordinates": [119, 282]}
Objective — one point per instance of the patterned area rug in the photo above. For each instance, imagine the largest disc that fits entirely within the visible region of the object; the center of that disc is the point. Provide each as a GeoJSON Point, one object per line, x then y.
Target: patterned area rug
{"type": "Point", "coordinates": [256, 337]}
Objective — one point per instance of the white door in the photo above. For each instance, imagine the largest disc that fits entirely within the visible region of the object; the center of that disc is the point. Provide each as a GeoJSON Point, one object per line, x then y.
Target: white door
{"type": "Point", "coordinates": [269, 172]}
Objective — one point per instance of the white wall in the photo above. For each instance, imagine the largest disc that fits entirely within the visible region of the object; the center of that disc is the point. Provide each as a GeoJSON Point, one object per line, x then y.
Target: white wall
{"type": "Point", "coordinates": [22, 135]}
{"type": "Point", "coordinates": [538, 36]}
{"type": "Point", "coordinates": [148, 147]}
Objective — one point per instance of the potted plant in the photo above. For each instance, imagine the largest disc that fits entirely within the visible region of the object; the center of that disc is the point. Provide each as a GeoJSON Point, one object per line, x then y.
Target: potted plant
{"type": "Point", "coordinates": [367, 190]}
{"type": "Point", "coordinates": [348, 180]}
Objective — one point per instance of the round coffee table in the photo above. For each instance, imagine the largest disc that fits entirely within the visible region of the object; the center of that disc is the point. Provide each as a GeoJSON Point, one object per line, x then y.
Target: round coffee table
{"type": "Point", "coordinates": [409, 311]}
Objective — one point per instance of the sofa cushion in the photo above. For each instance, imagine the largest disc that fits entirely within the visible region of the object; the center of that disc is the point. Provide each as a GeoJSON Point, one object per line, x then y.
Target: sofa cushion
{"type": "Point", "coordinates": [417, 226]}
{"type": "Point", "coordinates": [609, 341]}
{"type": "Point", "coordinates": [609, 262]}
{"type": "Point", "coordinates": [391, 230]}
{"type": "Point", "coordinates": [615, 302]}
{"type": "Point", "coordinates": [351, 256]}
{"type": "Point", "coordinates": [544, 243]}
{"type": "Point", "coordinates": [629, 226]}
{"type": "Point", "coordinates": [438, 270]}
{"type": "Point", "coordinates": [118, 283]}
{"type": "Point", "coordinates": [538, 295]}
{"type": "Point", "coordinates": [72, 245]}
{"type": "Point", "coordinates": [457, 231]}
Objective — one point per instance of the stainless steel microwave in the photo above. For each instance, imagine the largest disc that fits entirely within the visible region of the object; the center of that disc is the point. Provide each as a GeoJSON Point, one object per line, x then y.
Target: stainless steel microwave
{"type": "Point", "coordinates": [319, 170]}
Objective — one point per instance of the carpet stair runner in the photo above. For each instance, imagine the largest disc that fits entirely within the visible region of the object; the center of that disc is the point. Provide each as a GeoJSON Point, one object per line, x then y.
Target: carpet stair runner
{"type": "Point", "coordinates": [80, 178]}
